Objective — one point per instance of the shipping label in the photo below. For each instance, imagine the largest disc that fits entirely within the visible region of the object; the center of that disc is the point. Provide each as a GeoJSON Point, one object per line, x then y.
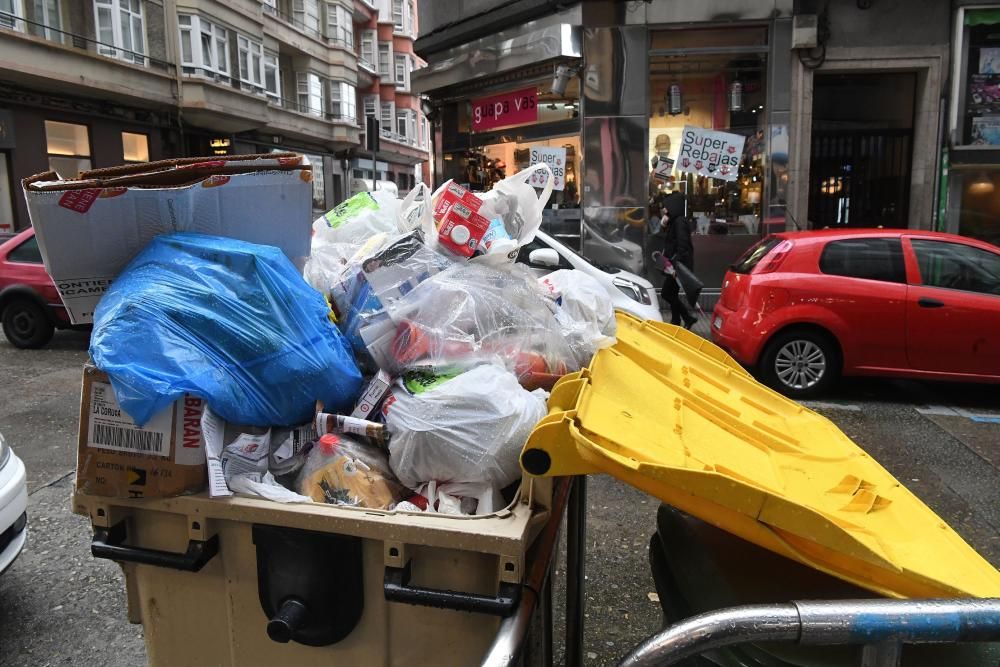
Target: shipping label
{"type": "Point", "coordinates": [110, 428]}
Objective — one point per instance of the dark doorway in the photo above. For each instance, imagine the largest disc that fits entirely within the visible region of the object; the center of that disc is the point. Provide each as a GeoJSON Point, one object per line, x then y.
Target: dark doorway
{"type": "Point", "coordinates": [862, 144]}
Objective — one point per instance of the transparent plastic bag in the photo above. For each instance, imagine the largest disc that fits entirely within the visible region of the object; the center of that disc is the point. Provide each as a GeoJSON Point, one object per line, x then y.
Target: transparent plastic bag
{"type": "Point", "coordinates": [472, 314]}
{"type": "Point", "coordinates": [341, 470]}
{"type": "Point", "coordinates": [229, 321]}
{"type": "Point", "coordinates": [583, 311]}
{"type": "Point", "coordinates": [469, 428]}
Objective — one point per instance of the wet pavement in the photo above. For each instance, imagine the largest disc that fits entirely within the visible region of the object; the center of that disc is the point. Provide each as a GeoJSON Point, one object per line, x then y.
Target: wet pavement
{"type": "Point", "coordinates": [59, 606]}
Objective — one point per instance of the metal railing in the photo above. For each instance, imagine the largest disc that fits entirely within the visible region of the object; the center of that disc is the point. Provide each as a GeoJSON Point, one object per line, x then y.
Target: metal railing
{"type": "Point", "coordinates": [880, 626]}
{"type": "Point", "coordinates": [304, 108]}
{"type": "Point", "coordinates": [14, 23]}
{"type": "Point", "coordinates": [397, 137]}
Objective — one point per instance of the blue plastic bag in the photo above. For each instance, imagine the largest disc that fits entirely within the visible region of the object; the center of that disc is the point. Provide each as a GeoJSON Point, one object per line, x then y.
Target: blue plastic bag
{"type": "Point", "coordinates": [229, 321]}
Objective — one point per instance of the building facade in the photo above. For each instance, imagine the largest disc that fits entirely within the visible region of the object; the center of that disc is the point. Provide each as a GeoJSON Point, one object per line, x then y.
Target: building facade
{"type": "Point", "coordinates": [834, 110]}
{"type": "Point", "coordinates": [94, 83]}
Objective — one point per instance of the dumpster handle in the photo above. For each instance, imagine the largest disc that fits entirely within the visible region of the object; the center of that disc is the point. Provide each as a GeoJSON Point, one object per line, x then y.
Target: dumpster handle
{"type": "Point", "coordinates": [398, 589]}
{"type": "Point", "coordinates": [108, 543]}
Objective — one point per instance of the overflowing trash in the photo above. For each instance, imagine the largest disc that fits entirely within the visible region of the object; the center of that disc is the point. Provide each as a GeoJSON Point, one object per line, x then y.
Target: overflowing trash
{"type": "Point", "coordinates": [403, 369]}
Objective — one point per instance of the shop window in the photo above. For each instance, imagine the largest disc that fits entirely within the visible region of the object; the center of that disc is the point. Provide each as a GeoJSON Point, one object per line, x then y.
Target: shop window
{"type": "Point", "coordinates": [981, 122]}
{"type": "Point", "coordinates": [204, 47]}
{"type": "Point", "coordinates": [957, 266]}
{"type": "Point", "coordinates": [871, 259]}
{"type": "Point", "coordinates": [318, 182]}
{"type": "Point", "coordinates": [68, 147]}
{"type": "Point", "coordinates": [10, 15]}
{"type": "Point", "coordinates": [343, 100]}
{"type": "Point", "coordinates": [339, 24]}
{"type": "Point", "coordinates": [135, 147]}
{"type": "Point", "coordinates": [120, 29]}
{"type": "Point", "coordinates": [309, 87]}
{"type": "Point", "coordinates": [272, 75]}
{"type": "Point", "coordinates": [46, 13]}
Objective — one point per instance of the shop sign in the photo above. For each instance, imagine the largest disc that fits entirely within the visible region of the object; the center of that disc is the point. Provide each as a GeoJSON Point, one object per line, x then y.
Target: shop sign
{"type": "Point", "coordinates": [556, 159]}
{"type": "Point", "coordinates": [514, 108]}
{"type": "Point", "coordinates": [710, 153]}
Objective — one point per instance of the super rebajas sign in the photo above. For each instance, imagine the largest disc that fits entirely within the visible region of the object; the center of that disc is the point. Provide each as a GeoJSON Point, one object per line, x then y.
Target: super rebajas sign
{"type": "Point", "coordinates": [710, 153]}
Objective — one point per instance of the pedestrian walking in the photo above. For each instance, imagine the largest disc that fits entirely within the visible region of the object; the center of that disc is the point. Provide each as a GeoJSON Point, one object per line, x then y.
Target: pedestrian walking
{"type": "Point", "coordinates": [676, 229]}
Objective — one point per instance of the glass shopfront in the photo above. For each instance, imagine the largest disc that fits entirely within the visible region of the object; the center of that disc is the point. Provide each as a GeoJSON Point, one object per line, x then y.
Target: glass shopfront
{"type": "Point", "coordinates": [710, 139]}
{"type": "Point", "coordinates": [973, 202]}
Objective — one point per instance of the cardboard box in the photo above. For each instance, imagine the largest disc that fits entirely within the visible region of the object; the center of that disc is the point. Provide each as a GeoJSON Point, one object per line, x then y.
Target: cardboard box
{"type": "Point", "coordinates": [118, 459]}
{"type": "Point", "coordinates": [452, 193]}
{"type": "Point", "coordinates": [462, 229]}
{"type": "Point", "coordinates": [89, 228]}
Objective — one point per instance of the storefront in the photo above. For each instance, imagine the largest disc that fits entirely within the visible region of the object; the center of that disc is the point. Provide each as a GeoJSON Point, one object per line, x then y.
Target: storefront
{"type": "Point", "coordinates": [973, 192]}
{"type": "Point", "coordinates": [607, 101]}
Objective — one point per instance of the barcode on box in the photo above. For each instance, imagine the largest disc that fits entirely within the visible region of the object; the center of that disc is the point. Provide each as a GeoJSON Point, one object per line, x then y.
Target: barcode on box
{"type": "Point", "coordinates": [128, 440]}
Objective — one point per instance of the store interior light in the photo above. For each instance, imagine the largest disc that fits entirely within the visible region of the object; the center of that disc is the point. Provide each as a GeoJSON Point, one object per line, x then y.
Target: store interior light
{"type": "Point", "coordinates": [675, 102]}
{"type": "Point", "coordinates": [736, 96]}
{"type": "Point", "coordinates": [983, 185]}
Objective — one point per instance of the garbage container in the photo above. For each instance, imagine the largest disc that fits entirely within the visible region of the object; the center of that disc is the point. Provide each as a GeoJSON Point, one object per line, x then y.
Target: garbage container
{"type": "Point", "coordinates": [243, 581]}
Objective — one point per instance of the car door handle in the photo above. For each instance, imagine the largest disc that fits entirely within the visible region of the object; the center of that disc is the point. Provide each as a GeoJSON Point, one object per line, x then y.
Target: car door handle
{"type": "Point", "coordinates": [924, 302]}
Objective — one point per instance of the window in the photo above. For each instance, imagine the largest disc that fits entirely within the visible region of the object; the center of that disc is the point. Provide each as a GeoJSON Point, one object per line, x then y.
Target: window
{"type": "Point", "coordinates": [371, 105]}
{"type": "Point", "coordinates": [270, 6]}
{"type": "Point", "coordinates": [305, 14]}
{"type": "Point", "coordinates": [368, 47]}
{"type": "Point", "coordinates": [272, 75]}
{"type": "Point", "coordinates": [384, 58]}
{"type": "Point", "coordinates": [423, 132]}
{"type": "Point", "coordinates": [26, 253]}
{"type": "Point", "coordinates": [388, 113]}
{"type": "Point", "coordinates": [397, 16]}
{"type": "Point", "coordinates": [135, 147]}
{"type": "Point", "coordinates": [343, 100]}
{"type": "Point", "coordinates": [10, 12]}
{"type": "Point", "coordinates": [47, 13]}
{"type": "Point", "coordinates": [752, 257]}
{"type": "Point", "coordinates": [203, 47]}
{"type": "Point", "coordinates": [957, 266]}
{"type": "Point", "coordinates": [318, 182]}
{"type": "Point", "coordinates": [310, 91]}
{"type": "Point", "coordinates": [402, 72]}
{"type": "Point", "coordinates": [339, 24]}
{"type": "Point", "coordinates": [401, 123]}
{"type": "Point", "coordinates": [871, 259]}
{"type": "Point", "coordinates": [68, 147]}
{"type": "Point", "coordinates": [119, 29]}
{"type": "Point", "coordinates": [251, 59]}
{"type": "Point", "coordinates": [410, 23]}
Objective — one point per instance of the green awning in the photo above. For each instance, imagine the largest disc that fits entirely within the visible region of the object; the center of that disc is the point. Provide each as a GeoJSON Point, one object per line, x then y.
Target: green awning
{"type": "Point", "coordinates": [982, 16]}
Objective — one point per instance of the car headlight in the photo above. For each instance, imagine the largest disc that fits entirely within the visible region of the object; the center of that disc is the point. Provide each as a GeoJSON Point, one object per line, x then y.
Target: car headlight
{"type": "Point", "coordinates": [632, 290]}
{"type": "Point", "coordinates": [4, 452]}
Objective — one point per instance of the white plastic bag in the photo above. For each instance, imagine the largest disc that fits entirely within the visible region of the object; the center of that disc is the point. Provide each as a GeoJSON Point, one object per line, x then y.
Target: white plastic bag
{"type": "Point", "coordinates": [454, 498]}
{"type": "Point", "coordinates": [358, 218]}
{"type": "Point", "coordinates": [515, 202]}
{"type": "Point", "coordinates": [470, 428]}
{"type": "Point", "coordinates": [583, 311]}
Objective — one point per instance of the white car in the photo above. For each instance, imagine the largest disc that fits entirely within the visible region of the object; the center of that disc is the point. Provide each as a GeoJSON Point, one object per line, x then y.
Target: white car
{"type": "Point", "coordinates": [629, 292]}
{"type": "Point", "coordinates": [13, 506]}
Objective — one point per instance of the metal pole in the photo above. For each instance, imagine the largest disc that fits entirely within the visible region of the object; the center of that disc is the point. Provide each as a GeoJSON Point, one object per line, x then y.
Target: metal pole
{"type": "Point", "coordinates": [576, 539]}
{"type": "Point", "coordinates": [509, 641]}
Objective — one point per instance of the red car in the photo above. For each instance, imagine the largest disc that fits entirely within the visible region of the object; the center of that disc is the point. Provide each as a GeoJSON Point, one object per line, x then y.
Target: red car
{"type": "Point", "coordinates": [30, 307]}
{"type": "Point", "coordinates": [803, 308]}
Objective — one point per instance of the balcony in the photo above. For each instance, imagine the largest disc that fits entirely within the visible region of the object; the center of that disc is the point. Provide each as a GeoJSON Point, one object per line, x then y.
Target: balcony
{"type": "Point", "coordinates": [367, 73]}
{"type": "Point", "coordinates": [221, 107]}
{"type": "Point", "coordinates": [292, 31]}
{"type": "Point", "coordinates": [35, 54]}
{"type": "Point", "coordinates": [290, 118]}
{"type": "Point", "coordinates": [364, 11]}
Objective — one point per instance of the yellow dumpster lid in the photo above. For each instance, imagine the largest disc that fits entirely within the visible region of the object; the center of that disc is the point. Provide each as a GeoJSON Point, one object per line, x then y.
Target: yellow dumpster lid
{"type": "Point", "coordinates": [674, 416]}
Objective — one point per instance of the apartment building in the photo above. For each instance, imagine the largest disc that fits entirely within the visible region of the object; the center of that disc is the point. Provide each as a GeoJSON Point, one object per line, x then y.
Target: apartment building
{"type": "Point", "coordinates": [94, 83]}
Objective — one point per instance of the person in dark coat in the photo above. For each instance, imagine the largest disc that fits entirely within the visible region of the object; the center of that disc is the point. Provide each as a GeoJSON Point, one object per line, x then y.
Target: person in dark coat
{"type": "Point", "coordinates": [677, 247]}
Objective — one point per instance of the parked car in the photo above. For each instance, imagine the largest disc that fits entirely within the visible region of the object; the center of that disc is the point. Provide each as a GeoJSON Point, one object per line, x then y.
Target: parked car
{"type": "Point", "coordinates": [803, 308]}
{"type": "Point", "coordinates": [30, 307]}
{"type": "Point", "coordinates": [13, 506]}
{"type": "Point", "coordinates": [628, 292]}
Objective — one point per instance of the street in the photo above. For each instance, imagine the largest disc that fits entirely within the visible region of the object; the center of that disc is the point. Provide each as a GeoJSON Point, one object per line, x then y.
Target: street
{"type": "Point", "coordinates": [58, 605]}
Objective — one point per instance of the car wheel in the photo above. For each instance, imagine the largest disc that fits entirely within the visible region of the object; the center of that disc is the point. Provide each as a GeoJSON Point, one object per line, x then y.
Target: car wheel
{"type": "Point", "coordinates": [26, 324]}
{"type": "Point", "coordinates": [800, 363]}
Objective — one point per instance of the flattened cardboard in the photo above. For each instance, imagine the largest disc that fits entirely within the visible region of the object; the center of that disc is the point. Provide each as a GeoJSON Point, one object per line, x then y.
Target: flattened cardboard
{"type": "Point", "coordinates": [89, 228]}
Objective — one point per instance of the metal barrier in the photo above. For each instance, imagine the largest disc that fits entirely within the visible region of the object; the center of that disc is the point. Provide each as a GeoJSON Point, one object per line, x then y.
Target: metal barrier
{"type": "Point", "coordinates": [881, 626]}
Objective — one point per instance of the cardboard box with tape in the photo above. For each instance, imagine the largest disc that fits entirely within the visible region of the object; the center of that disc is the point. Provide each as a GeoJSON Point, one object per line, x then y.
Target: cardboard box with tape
{"type": "Point", "coordinates": [89, 228]}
